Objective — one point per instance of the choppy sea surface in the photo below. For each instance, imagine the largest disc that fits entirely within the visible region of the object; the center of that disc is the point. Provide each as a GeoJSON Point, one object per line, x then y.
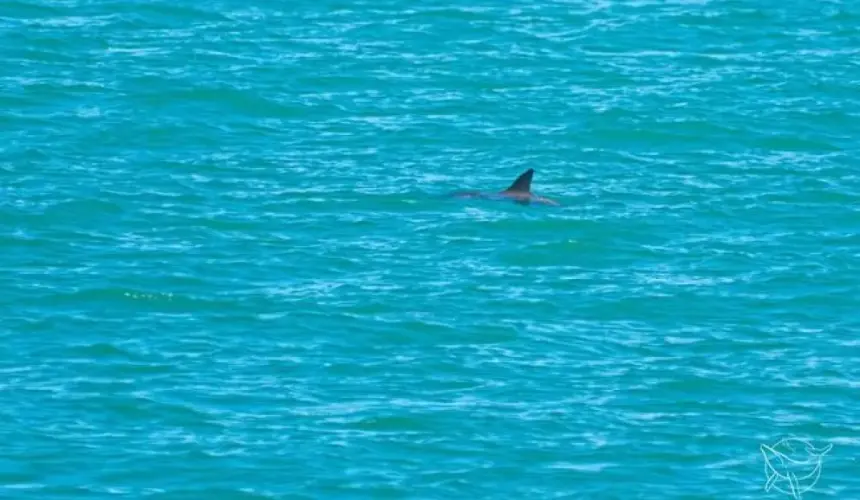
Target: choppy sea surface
{"type": "Point", "coordinates": [229, 268]}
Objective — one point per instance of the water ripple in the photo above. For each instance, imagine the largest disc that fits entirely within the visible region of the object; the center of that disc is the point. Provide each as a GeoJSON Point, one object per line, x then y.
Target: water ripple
{"type": "Point", "coordinates": [227, 269]}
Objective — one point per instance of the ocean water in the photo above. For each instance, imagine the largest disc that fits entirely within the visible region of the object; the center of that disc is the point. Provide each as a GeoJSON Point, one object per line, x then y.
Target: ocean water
{"type": "Point", "coordinates": [229, 268]}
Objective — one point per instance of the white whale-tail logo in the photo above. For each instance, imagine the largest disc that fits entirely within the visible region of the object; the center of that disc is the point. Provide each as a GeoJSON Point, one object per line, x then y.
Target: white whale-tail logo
{"type": "Point", "coordinates": [793, 466]}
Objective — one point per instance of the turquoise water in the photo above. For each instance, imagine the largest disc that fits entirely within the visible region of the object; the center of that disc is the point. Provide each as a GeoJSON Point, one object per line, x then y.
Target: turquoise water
{"type": "Point", "coordinates": [229, 270]}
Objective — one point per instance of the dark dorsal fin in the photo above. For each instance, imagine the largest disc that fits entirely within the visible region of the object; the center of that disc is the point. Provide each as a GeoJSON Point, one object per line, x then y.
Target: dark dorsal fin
{"type": "Point", "coordinates": [523, 184]}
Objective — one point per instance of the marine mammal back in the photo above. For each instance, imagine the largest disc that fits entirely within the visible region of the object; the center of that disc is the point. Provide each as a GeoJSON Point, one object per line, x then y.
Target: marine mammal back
{"type": "Point", "coordinates": [520, 191]}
